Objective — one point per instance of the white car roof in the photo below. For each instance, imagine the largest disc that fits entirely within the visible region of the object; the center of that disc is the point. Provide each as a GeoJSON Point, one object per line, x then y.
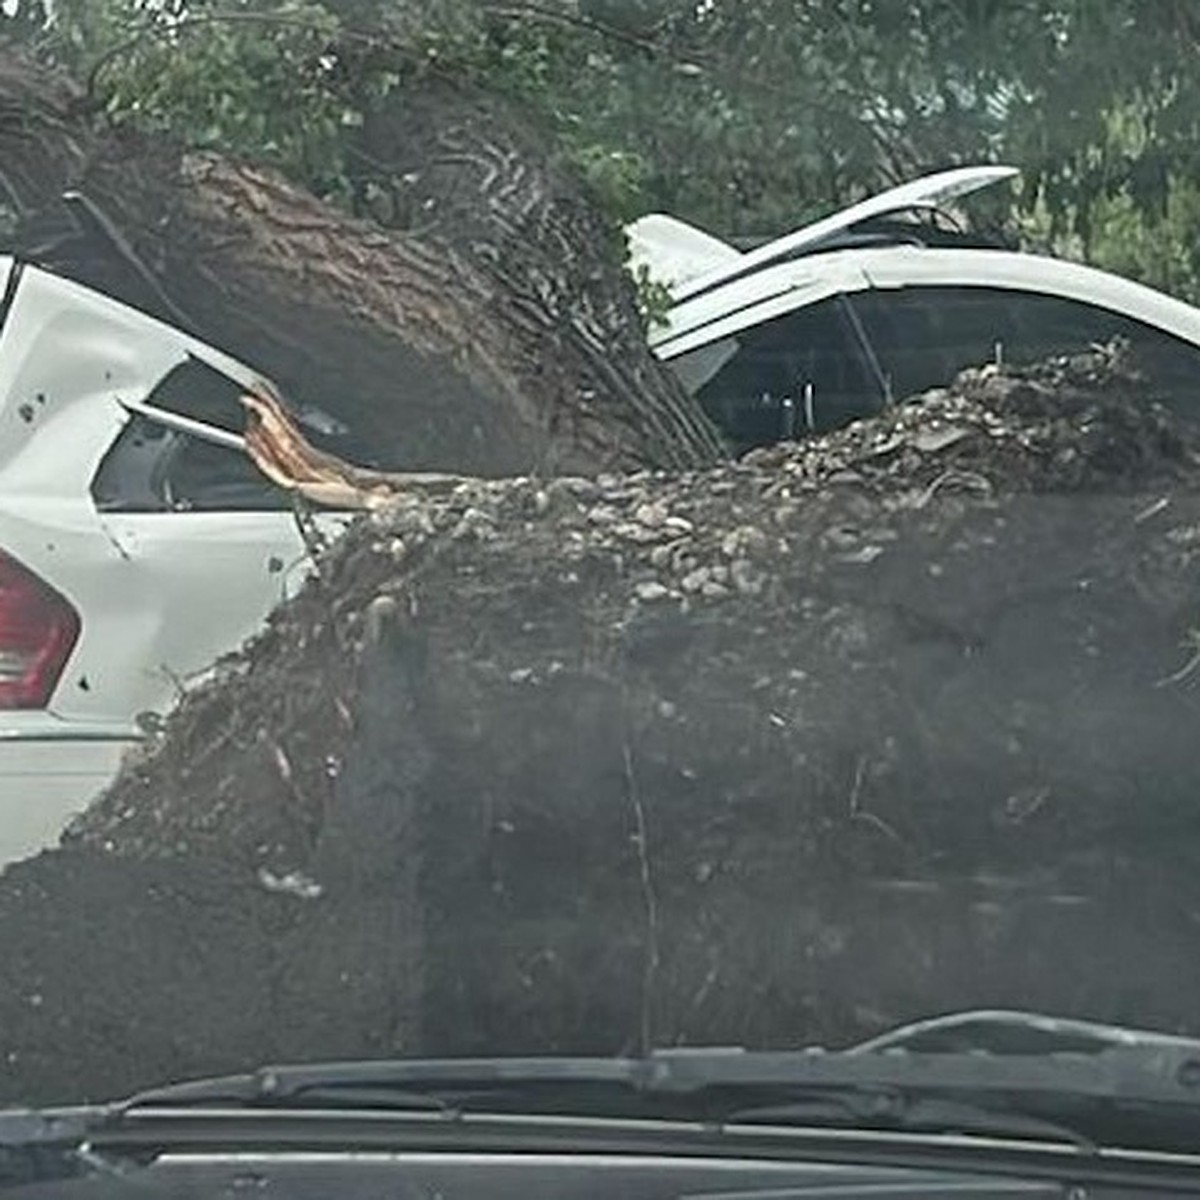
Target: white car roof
{"type": "Point", "coordinates": [776, 290]}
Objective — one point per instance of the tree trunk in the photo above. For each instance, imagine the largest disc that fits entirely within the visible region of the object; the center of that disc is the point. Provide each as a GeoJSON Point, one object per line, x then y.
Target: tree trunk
{"type": "Point", "coordinates": [498, 337]}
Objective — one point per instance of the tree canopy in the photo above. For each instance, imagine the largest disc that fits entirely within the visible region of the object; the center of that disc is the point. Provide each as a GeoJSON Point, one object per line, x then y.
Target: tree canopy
{"type": "Point", "coordinates": [744, 116]}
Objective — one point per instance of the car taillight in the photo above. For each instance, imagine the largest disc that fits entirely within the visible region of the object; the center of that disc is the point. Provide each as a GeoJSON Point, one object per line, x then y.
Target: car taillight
{"type": "Point", "coordinates": [38, 631]}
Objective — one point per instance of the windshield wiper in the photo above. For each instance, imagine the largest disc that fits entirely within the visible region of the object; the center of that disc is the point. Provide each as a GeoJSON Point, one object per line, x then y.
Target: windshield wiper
{"type": "Point", "coordinates": [1002, 1073]}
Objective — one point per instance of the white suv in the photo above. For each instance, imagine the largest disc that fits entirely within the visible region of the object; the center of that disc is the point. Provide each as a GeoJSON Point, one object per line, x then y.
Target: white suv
{"type": "Point", "coordinates": [138, 543]}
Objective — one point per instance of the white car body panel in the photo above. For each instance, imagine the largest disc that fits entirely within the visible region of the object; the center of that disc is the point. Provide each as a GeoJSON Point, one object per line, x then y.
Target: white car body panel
{"type": "Point", "coordinates": [43, 783]}
{"type": "Point", "coordinates": [757, 298]}
{"type": "Point", "coordinates": [188, 580]}
{"type": "Point", "coordinates": [910, 266]}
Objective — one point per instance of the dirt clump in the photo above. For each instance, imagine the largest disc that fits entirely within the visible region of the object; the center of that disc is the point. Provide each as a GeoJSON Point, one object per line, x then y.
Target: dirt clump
{"type": "Point", "coordinates": [888, 722]}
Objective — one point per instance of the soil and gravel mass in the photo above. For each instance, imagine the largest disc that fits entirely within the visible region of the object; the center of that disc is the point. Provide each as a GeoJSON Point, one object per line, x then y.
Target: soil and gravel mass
{"type": "Point", "coordinates": [851, 731]}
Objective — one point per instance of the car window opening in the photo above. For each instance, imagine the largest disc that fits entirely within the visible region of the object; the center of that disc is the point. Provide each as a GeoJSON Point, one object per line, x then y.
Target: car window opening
{"type": "Point", "coordinates": [153, 467]}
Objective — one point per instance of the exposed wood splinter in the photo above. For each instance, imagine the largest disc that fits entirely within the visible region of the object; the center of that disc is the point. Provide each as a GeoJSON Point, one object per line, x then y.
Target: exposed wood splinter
{"type": "Point", "coordinates": [283, 454]}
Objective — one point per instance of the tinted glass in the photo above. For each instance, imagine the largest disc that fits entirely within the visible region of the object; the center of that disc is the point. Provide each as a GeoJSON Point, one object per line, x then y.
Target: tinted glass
{"type": "Point", "coordinates": [803, 372]}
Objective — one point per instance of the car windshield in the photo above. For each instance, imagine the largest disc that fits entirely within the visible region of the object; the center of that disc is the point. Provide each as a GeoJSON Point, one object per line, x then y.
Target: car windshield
{"type": "Point", "coordinates": [596, 529]}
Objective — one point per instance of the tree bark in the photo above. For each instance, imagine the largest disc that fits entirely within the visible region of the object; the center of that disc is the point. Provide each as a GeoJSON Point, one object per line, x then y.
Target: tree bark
{"type": "Point", "coordinates": [499, 336]}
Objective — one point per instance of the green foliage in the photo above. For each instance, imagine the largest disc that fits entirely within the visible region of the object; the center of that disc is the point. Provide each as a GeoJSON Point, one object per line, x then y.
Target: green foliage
{"type": "Point", "coordinates": [743, 116]}
{"type": "Point", "coordinates": [256, 80]}
{"type": "Point", "coordinates": [653, 296]}
{"type": "Point", "coordinates": [1162, 249]}
{"type": "Point", "coordinates": [615, 177]}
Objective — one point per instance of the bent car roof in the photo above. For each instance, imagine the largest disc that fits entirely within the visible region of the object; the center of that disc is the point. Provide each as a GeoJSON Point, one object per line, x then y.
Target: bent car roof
{"type": "Point", "coordinates": [693, 262]}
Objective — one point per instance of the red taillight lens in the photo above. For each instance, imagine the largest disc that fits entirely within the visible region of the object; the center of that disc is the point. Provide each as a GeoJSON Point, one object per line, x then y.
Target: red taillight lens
{"type": "Point", "coordinates": [38, 631]}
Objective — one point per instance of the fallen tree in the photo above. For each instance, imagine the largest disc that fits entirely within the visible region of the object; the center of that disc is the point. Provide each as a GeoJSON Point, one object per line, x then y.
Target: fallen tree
{"type": "Point", "coordinates": [497, 335]}
{"type": "Point", "coordinates": [895, 721]}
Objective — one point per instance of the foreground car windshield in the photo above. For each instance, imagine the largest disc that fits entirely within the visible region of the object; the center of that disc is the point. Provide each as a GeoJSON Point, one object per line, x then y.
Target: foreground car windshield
{"type": "Point", "coordinates": [599, 579]}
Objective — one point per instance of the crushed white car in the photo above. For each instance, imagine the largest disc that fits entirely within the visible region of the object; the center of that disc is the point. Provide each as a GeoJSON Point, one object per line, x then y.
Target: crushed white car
{"type": "Point", "coordinates": [138, 543]}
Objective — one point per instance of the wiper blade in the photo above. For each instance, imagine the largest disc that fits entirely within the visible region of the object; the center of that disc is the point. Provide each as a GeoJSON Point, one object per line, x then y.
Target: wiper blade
{"type": "Point", "coordinates": [342, 1085]}
{"type": "Point", "coordinates": [440, 1086]}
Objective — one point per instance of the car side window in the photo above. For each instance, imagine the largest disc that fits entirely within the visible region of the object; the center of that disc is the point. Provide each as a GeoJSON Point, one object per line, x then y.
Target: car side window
{"type": "Point", "coordinates": [805, 371]}
{"type": "Point", "coordinates": [924, 335]}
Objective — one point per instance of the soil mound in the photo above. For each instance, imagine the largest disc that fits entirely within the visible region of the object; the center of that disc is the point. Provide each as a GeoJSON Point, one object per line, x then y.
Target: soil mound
{"type": "Point", "coordinates": [889, 722]}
